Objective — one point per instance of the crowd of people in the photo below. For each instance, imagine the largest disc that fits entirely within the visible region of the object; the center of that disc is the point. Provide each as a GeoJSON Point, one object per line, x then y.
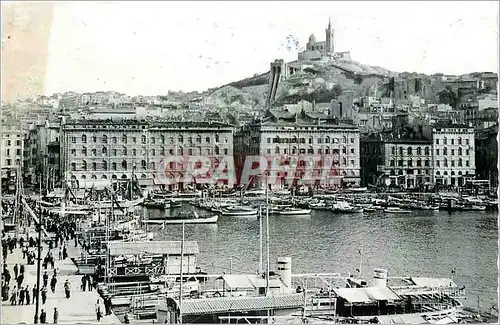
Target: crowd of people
{"type": "Point", "coordinates": [15, 290]}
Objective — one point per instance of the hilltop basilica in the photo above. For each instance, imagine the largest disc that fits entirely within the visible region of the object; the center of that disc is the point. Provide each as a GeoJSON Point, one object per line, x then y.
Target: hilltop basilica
{"type": "Point", "coordinates": [318, 51]}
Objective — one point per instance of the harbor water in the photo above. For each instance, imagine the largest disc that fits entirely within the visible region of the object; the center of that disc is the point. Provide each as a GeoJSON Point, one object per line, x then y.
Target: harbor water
{"type": "Point", "coordinates": [423, 243]}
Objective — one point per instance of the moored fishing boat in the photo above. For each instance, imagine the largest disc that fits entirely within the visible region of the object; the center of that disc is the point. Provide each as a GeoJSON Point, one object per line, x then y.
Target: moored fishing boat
{"type": "Point", "coordinates": [156, 204]}
{"type": "Point", "coordinates": [344, 207]}
{"type": "Point", "coordinates": [294, 212]}
{"type": "Point", "coordinates": [239, 211]}
{"type": "Point", "coordinates": [396, 210]}
{"type": "Point", "coordinates": [186, 218]}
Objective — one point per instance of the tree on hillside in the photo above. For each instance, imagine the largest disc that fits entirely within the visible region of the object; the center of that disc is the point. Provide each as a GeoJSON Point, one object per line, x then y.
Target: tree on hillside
{"type": "Point", "coordinates": [337, 91]}
{"type": "Point", "coordinates": [448, 96]}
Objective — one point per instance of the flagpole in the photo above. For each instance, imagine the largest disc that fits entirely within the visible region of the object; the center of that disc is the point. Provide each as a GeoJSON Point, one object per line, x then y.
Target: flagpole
{"type": "Point", "coordinates": [360, 261]}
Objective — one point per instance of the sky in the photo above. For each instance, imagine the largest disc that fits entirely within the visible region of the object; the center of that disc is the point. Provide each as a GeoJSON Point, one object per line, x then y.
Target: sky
{"type": "Point", "coordinates": [149, 48]}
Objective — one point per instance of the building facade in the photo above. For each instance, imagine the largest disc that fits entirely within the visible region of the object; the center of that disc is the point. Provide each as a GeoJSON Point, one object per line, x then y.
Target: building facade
{"type": "Point", "coordinates": [12, 145]}
{"type": "Point", "coordinates": [125, 148]}
{"type": "Point", "coordinates": [392, 161]}
{"type": "Point", "coordinates": [454, 154]}
{"type": "Point", "coordinates": [41, 154]}
{"type": "Point", "coordinates": [486, 147]}
{"type": "Point", "coordinates": [297, 137]}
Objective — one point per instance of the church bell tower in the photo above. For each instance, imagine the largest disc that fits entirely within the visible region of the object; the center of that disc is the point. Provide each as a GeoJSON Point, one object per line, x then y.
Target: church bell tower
{"type": "Point", "coordinates": [330, 49]}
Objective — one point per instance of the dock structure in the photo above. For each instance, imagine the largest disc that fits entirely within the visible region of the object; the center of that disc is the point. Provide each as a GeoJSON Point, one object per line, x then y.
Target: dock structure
{"type": "Point", "coordinates": [167, 257]}
{"type": "Point", "coordinates": [79, 308]}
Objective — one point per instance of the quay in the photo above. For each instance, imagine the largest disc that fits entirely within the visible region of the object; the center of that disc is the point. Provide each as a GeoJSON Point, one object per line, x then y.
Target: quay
{"type": "Point", "coordinates": [79, 308]}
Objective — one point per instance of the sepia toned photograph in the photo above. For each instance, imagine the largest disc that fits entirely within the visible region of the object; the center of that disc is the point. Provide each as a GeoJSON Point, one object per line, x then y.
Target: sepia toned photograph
{"type": "Point", "coordinates": [249, 162]}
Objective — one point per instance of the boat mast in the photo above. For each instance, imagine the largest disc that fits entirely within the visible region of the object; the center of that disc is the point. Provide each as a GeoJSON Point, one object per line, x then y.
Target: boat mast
{"type": "Point", "coordinates": [360, 261]}
{"type": "Point", "coordinates": [267, 236]}
{"type": "Point", "coordinates": [182, 264]}
{"type": "Point", "coordinates": [261, 263]}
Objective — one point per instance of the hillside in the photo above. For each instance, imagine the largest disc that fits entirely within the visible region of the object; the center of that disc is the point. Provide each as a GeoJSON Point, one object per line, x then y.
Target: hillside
{"type": "Point", "coordinates": [320, 82]}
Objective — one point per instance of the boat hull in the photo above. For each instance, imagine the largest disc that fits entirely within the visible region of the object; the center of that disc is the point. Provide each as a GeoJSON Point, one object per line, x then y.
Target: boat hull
{"type": "Point", "coordinates": [168, 221]}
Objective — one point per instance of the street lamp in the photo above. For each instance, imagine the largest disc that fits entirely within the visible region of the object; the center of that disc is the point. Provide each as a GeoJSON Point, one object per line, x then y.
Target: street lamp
{"type": "Point", "coordinates": [38, 267]}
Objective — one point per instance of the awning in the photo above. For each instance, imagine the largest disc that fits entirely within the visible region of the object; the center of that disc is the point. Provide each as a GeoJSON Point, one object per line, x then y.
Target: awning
{"type": "Point", "coordinates": [238, 304]}
{"type": "Point", "coordinates": [117, 248]}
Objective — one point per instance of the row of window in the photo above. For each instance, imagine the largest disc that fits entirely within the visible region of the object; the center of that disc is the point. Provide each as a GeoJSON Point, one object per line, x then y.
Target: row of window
{"type": "Point", "coordinates": [124, 151]}
{"type": "Point", "coordinates": [459, 140]}
{"type": "Point", "coordinates": [445, 163]}
{"type": "Point", "coordinates": [303, 151]}
{"type": "Point", "coordinates": [408, 172]}
{"type": "Point", "coordinates": [104, 165]}
{"type": "Point", "coordinates": [452, 151]}
{"type": "Point", "coordinates": [409, 163]}
{"type": "Point", "coordinates": [8, 162]}
{"type": "Point", "coordinates": [7, 152]}
{"type": "Point", "coordinates": [93, 176]}
{"type": "Point", "coordinates": [180, 139]}
{"type": "Point", "coordinates": [445, 173]}
{"type": "Point", "coordinates": [459, 162]}
{"type": "Point", "coordinates": [409, 150]}
{"type": "Point", "coordinates": [9, 143]}
{"type": "Point", "coordinates": [310, 140]}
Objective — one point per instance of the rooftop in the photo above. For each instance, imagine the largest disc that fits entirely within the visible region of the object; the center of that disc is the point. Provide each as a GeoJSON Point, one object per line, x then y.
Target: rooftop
{"type": "Point", "coordinates": [366, 295]}
{"type": "Point", "coordinates": [449, 125]}
{"type": "Point", "coordinates": [145, 122]}
{"type": "Point", "coordinates": [234, 304]}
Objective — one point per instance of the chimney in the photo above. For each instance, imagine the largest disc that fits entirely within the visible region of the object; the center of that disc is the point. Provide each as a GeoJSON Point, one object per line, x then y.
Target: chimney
{"type": "Point", "coordinates": [340, 109]}
{"type": "Point", "coordinates": [285, 271]}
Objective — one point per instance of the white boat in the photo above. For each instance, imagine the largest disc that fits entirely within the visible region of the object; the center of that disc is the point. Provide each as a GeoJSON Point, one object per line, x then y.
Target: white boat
{"type": "Point", "coordinates": [239, 211]}
{"type": "Point", "coordinates": [294, 212]}
{"type": "Point", "coordinates": [396, 210]}
{"type": "Point", "coordinates": [177, 220]}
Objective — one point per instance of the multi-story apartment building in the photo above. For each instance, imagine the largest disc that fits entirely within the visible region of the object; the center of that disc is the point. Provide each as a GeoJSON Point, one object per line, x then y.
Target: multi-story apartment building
{"type": "Point", "coordinates": [396, 160]}
{"type": "Point", "coordinates": [454, 153]}
{"type": "Point", "coordinates": [486, 147]}
{"type": "Point", "coordinates": [41, 154]}
{"type": "Point", "coordinates": [301, 136]}
{"type": "Point", "coordinates": [12, 145]}
{"type": "Point", "coordinates": [126, 148]}
{"type": "Point", "coordinates": [440, 154]}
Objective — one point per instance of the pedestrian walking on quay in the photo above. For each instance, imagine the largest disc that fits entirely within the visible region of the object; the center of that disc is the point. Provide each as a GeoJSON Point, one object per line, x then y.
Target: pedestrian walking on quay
{"type": "Point", "coordinates": [60, 254]}
{"type": "Point", "coordinates": [67, 289]}
{"type": "Point", "coordinates": [90, 280]}
{"type": "Point", "coordinates": [5, 292]}
{"type": "Point", "coordinates": [21, 242]}
{"type": "Point", "coordinates": [21, 296]}
{"type": "Point", "coordinates": [16, 270]}
{"type": "Point", "coordinates": [27, 295]}
{"type": "Point", "coordinates": [43, 317]}
{"type": "Point", "coordinates": [20, 280]}
{"type": "Point", "coordinates": [65, 252]}
{"type": "Point", "coordinates": [21, 269]}
{"type": "Point", "coordinates": [56, 315]}
{"type": "Point", "coordinates": [98, 311]}
{"type": "Point", "coordinates": [84, 282]}
{"type": "Point", "coordinates": [13, 297]}
{"type": "Point", "coordinates": [35, 293]}
{"type": "Point", "coordinates": [125, 319]}
{"type": "Point", "coordinates": [107, 305]}
{"type": "Point", "coordinates": [53, 283]}
{"type": "Point", "coordinates": [45, 279]}
{"type": "Point", "coordinates": [6, 275]}
{"type": "Point", "coordinates": [44, 294]}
